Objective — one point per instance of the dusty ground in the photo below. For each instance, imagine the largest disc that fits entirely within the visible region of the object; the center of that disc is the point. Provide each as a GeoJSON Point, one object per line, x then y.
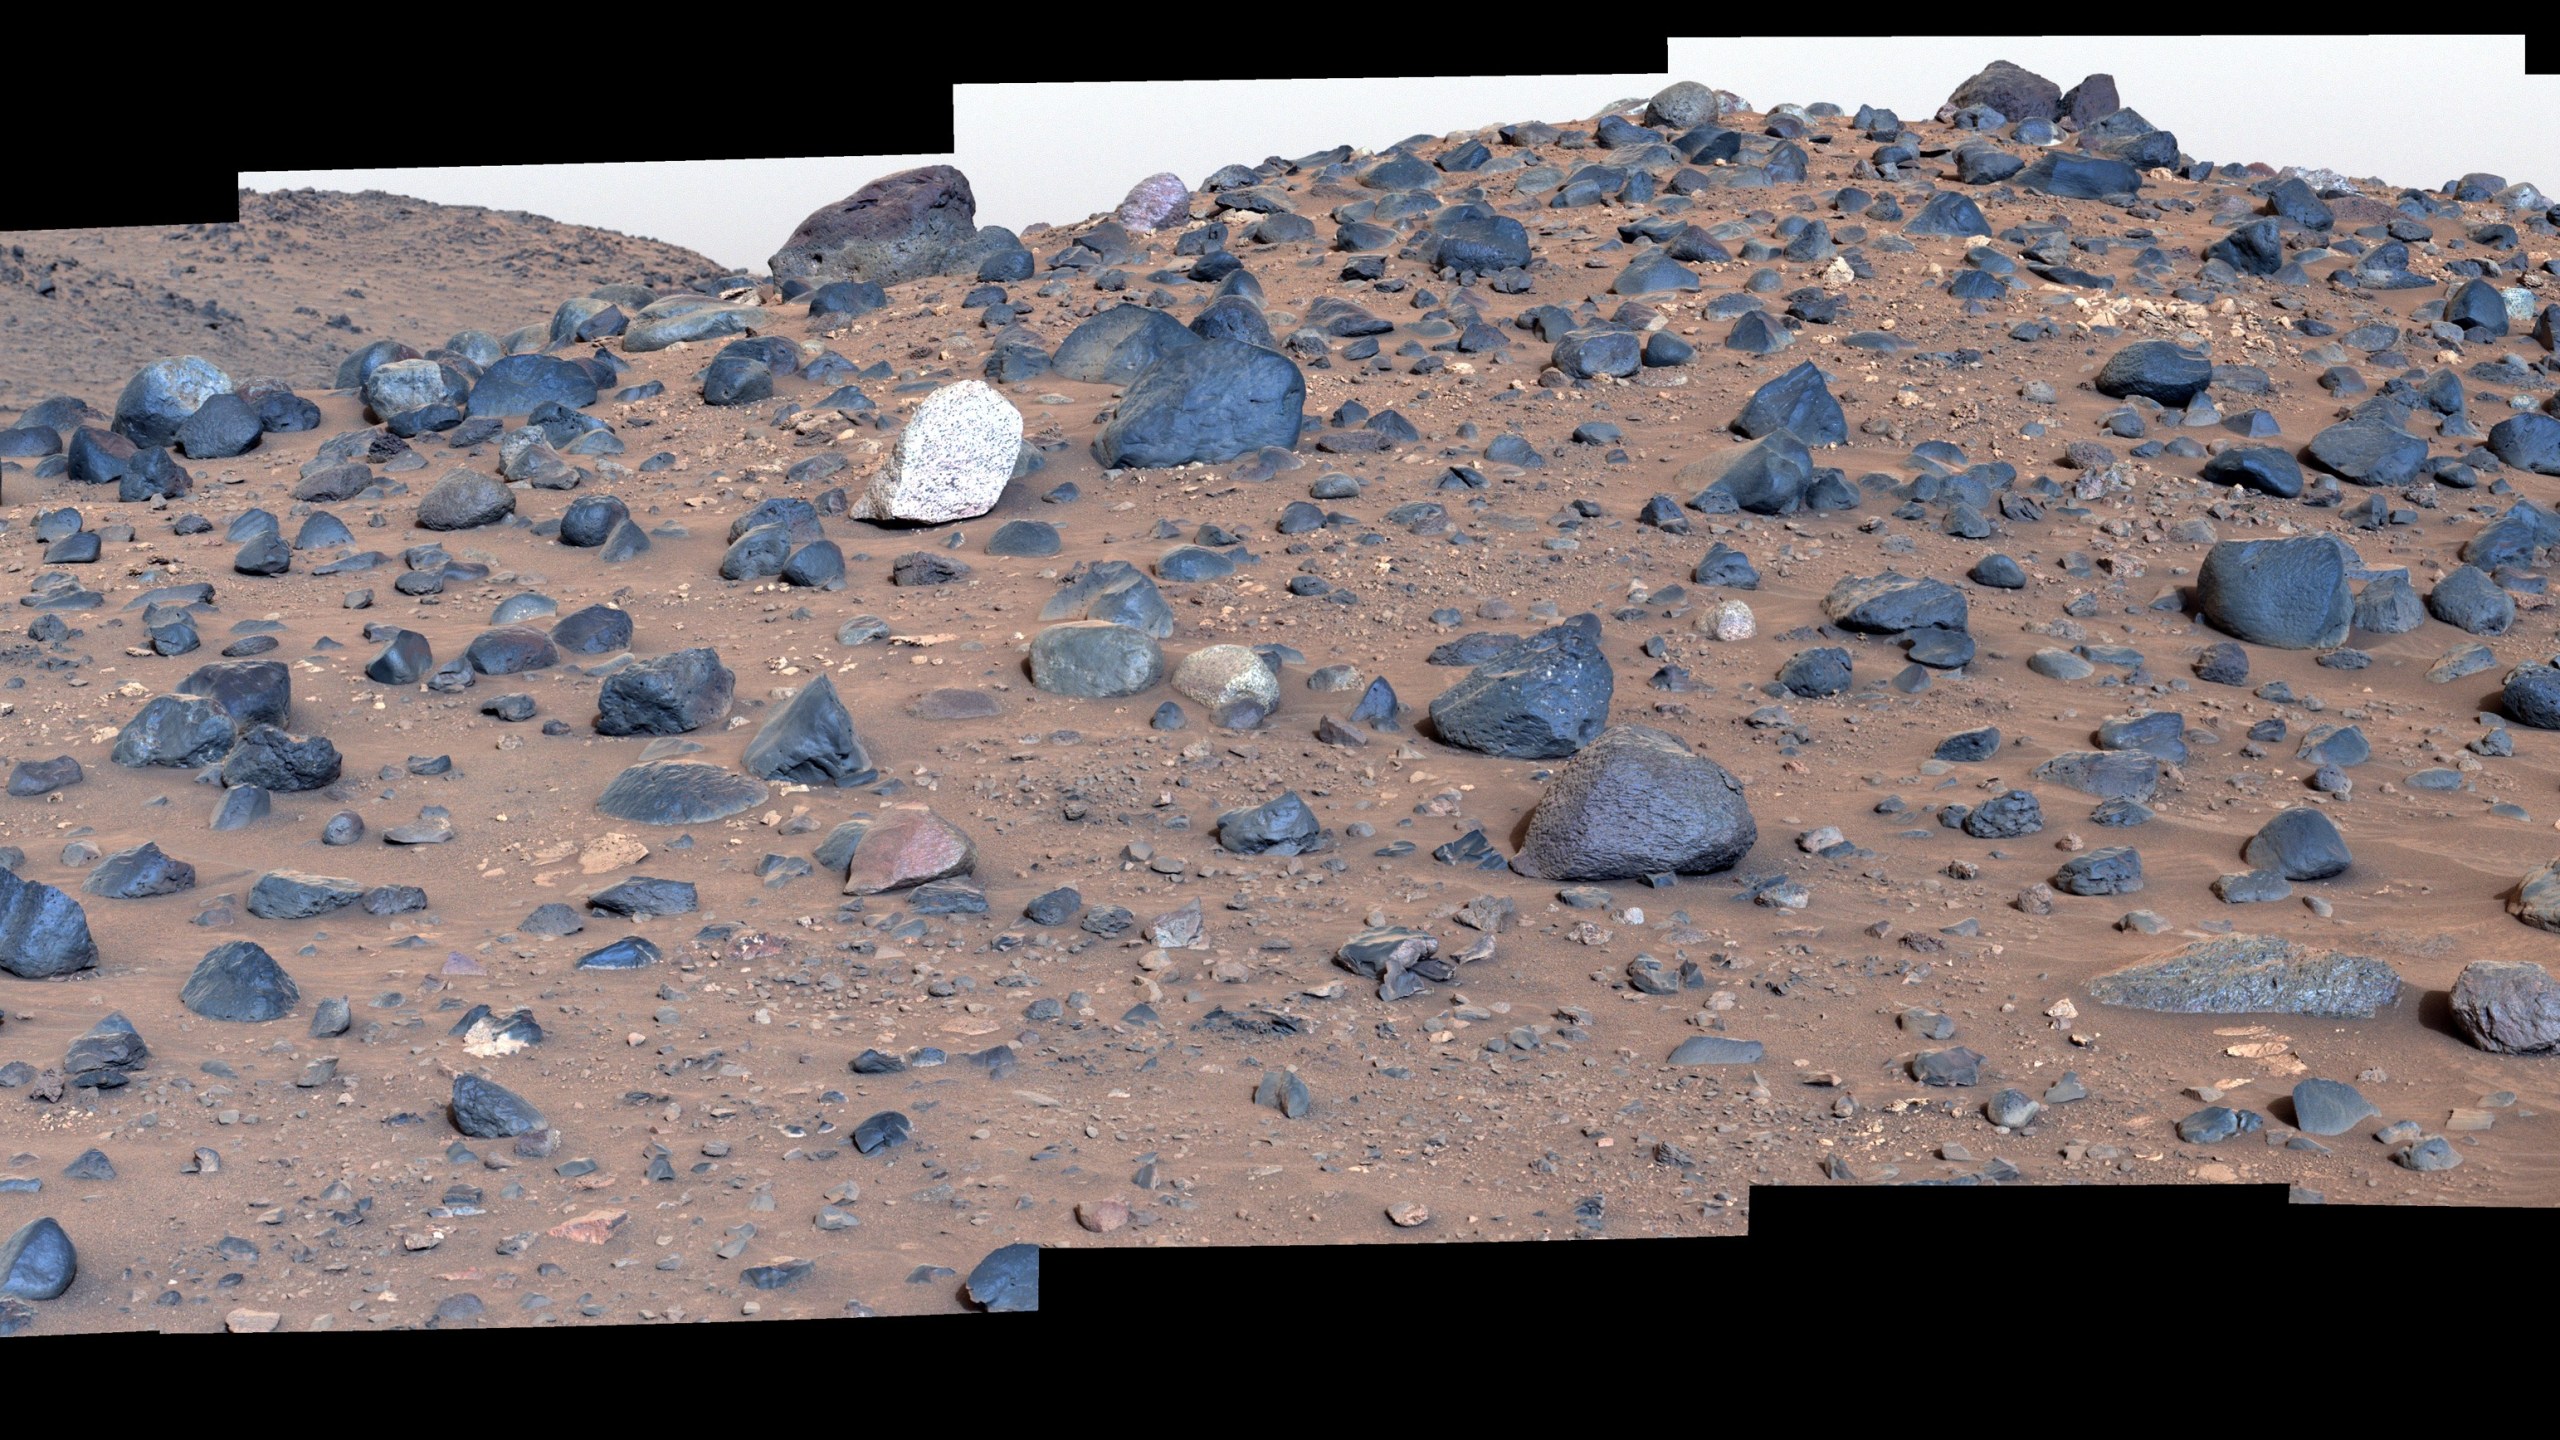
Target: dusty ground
{"type": "Point", "coordinates": [353, 1203]}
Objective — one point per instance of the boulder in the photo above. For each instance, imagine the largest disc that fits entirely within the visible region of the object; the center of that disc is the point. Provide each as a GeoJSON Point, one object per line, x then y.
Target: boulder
{"type": "Point", "coordinates": [897, 228]}
{"type": "Point", "coordinates": [2302, 843]}
{"type": "Point", "coordinates": [905, 846]}
{"type": "Point", "coordinates": [522, 384]}
{"type": "Point", "coordinates": [239, 980]}
{"type": "Point", "coordinates": [1799, 402]}
{"type": "Point", "coordinates": [163, 395]}
{"type": "Point", "coordinates": [810, 740]}
{"type": "Point", "coordinates": [679, 792]}
{"type": "Point", "coordinates": [1206, 403]}
{"type": "Point", "coordinates": [2508, 1007]}
{"type": "Point", "coordinates": [43, 932]}
{"type": "Point", "coordinates": [1116, 346]}
{"type": "Point", "coordinates": [486, 1110]}
{"type": "Point", "coordinates": [465, 500]}
{"type": "Point", "coordinates": [1096, 659]}
{"type": "Point", "coordinates": [2288, 594]}
{"type": "Point", "coordinates": [952, 459]}
{"type": "Point", "coordinates": [1637, 802]}
{"type": "Point", "coordinates": [2157, 370]}
{"type": "Point", "coordinates": [666, 694]}
{"type": "Point", "coordinates": [1542, 697]}
{"type": "Point", "coordinates": [1891, 603]}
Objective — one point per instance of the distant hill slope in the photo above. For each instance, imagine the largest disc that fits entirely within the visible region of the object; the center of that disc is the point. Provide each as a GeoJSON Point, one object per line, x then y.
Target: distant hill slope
{"type": "Point", "coordinates": [304, 277]}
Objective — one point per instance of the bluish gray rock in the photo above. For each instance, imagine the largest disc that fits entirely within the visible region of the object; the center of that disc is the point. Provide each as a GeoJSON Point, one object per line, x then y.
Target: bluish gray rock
{"type": "Point", "coordinates": [1208, 403]}
{"type": "Point", "coordinates": [1799, 402]}
{"type": "Point", "coordinates": [2301, 843]}
{"type": "Point", "coordinates": [1546, 696]}
{"type": "Point", "coordinates": [679, 792]}
{"type": "Point", "coordinates": [899, 227]}
{"type": "Point", "coordinates": [38, 1262]}
{"type": "Point", "coordinates": [1116, 346]}
{"type": "Point", "coordinates": [139, 873]}
{"type": "Point", "coordinates": [1096, 660]}
{"type": "Point", "coordinates": [2288, 594]}
{"type": "Point", "coordinates": [2329, 1107]}
{"type": "Point", "coordinates": [163, 395]}
{"type": "Point", "coordinates": [1891, 603]}
{"type": "Point", "coordinates": [2469, 600]}
{"type": "Point", "coordinates": [1637, 802]}
{"type": "Point", "coordinates": [1769, 477]}
{"type": "Point", "coordinates": [2252, 974]}
{"type": "Point", "coordinates": [666, 694]}
{"type": "Point", "coordinates": [239, 980]}
{"type": "Point", "coordinates": [2157, 370]}
{"type": "Point", "coordinates": [810, 740]}
{"type": "Point", "coordinates": [43, 932]}
{"type": "Point", "coordinates": [486, 1110]}
{"type": "Point", "coordinates": [522, 384]}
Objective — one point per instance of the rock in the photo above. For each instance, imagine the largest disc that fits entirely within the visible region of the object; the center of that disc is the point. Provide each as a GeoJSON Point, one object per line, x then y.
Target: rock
{"type": "Point", "coordinates": [1969, 746]}
{"type": "Point", "coordinates": [2106, 774]}
{"type": "Point", "coordinates": [2109, 870]}
{"type": "Point", "coordinates": [2300, 844]}
{"type": "Point", "coordinates": [2005, 817]}
{"type": "Point", "coordinates": [30, 778]}
{"type": "Point", "coordinates": [43, 932]}
{"type": "Point", "coordinates": [2256, 467]}
{"type": "Point", "coordinates": [507, 650]}
{"type": "Point", "coordinates": [681, 319]}
{"type": "Point", "coordinates": [2257, 887]}
{"type": "Point", "coordinates": [2508, 1007]}
{"type": "Point", "coordinates": [239, 980]}
{"type": "Point", "coordinates": [1799, 402]}
{"type": "Point", "coordinates": [595, 630]}
{"type": "Point", "coordinates": [1715, 1050]}
{"type": "Point", "coordinates": [2013, 90]}
{"type": "Point", "coordinates": [1948, 213]}
{"type": "Point", "coordinates": [679, 792]}
{"type": "Point", "coordinates": [2367, 452]}
{"type": "Point", "coordinates": [176, 730]}
{"type": "Point", "coordinates": [1008, 1280]}
{"type": "Point", "coordinates": [666, 694]}
{"type": "Point", "coordinates": [1116, 591]}
{"type": "Point", "coordinates": [223, 427]}
{"type": "Point", "coordinates": [1770, 477]}
{"type": "Point", "coordinates": [139, 873]}
{"type": "Point", "coordinates": [2252, 974]}
{"type": "Point", "coordinates": [1118, 345]}
{"type": "Point", "coordinates": [1816, 673]}
{"type": "Point", "coordinates": [907, 846]}
{"type": "Point", "coordinates": [897, 228]}
{"type": "Point", "coordinates": [2156, 370]}
{"type": "Point", "coordinates": [486, 1110]}
{"type": "Point", "coordinates": [1280, 827]}
{"type": "Point", "coordinates": [1096, 659]}
{"type": "Point", "coordinates": [1891, 603]}
{"type": "Point", "coordinates": [2469, 600]}
{"type": "Point", "coordinates": [103, 1058]}
{"type": "Point", "coordinates": [1636, 802]}
{"type": "Point", "coordinates": [2537, 898]}
{"type": "Point", "coordinates": [273, 760]}
{"type": "Point", "coordinates": [1546, 696]}
{"type": "Point", "coordinates": [645, 895]}
{"type": "Point", "coordinates": [405, 659]}
{"type": "Point", "coordinates": [2288, 594]}
{"type": "Point", "coordinates": [1154, 203]}
{"type": "Point", "coordinates": [1479, 245]}
{"type": "Point", "coordinates": [952, 459]}
{"type": "Point", "coordinates": [1234, 684]}
{"type": "Point", "coordinates": [521, 384]}
{"type": "Point", "coordinates": [163, 395]}
{"type": "Point", "coordinates": [2531, 695]}
{"type": "Point", "coordinates": [590, 520]}
{"type": "Point", "coordinates": [38, 1262]}
{"type": "Point", "coordinates": [810, 740]}
{"type": "Point", "coordinates": [2329, 1107]}
{"type": "Point", "coordinates": [1024, 540]}
{"type": "Point", "coordinates": [2079, 177]}
{"type": "Point", "coordinates": [1206, 403]}
{"type": "Point", "coordinates": [293, 895]}
{"type": "Point", "coordinates": [464, 500]}
{"type": "Point", "coordinates": [2528, 442]}
{"type": "Point", "coordinates": [2389, 606]}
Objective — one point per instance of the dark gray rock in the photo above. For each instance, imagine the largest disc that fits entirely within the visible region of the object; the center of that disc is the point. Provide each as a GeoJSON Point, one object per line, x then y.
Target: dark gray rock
{"type": "Point", "coordinates": [1637, 802]}
{"type": "Point", "coordinates": [2302, 843]}
{"type": "Point", "coordinates": [2106, 774]}
{"type": "Point", "coordinates": [1116, 346]}
{"type": "Point", "coordinates": [2469, 600]}
{"type": "Point", "coordinates": [2329, 1107]}
{"type": "Point", "coordinates": [810, 740]}
{"type": "Point", "coordinates": [1282, 827]}
{"type": "Point", "coordinates": [43, 932]}
{"type": "Point", "coordinates": [666, 694]}
{"type": "Point", "coordinates": [2288, 594]}
{"type": "Point", "coordinates": [2005, 816]}
{"type": "Point", "coordinates": [679, 792]}
{"type": "Point", "coordinates": [1715, 1050]}
{"type": "Point", "coordinates": [1891, 603]}
{"type": "Point", "coordinates": [1770, 477]}
{"type": "Point", "coordinates": [2156, 370]}
{"type": "Point", "coordinates": [30, 778]}
{"type": "Point", "coordinates": [1116, 591]}
{"type": "Point", "coordinates": [273, 760]}
{"type": "Point", "coordinates": [239, 980]}
{"type": "Point", "coordinates": [38, 1262]}
{"type": "Point", "coordinates": [1816, 673]}
{"type": "Point", "coordinates": [1206, 403]}
{"type": "Point", "coordinates": [139, 873]}
{"type": "Point", "coordinates": [1096, 659]}
{"type": "Point", "coordinates": [486, 1110]}
{"type": "Point", "coordinates": [2109, 870]}
{"type": "Point", "coordinates": [464, 500]}
{"type": "Point", "coordinates": [292, 895]}
{"type": "Point", "coordinates": [595, 630]}
{"type": "Point", "coordinates": [176, 730]}
{"type": "Point", "coordinates": [1008, 1280]}
{"type": "Point", "coordinates": [1544, 697]}
{"type": "Point", "coordinates": [508, 650]}
{"type": "Point", "coordinates": [1799, 402]}
{"type": "Point", "coordinates": [897, 228]}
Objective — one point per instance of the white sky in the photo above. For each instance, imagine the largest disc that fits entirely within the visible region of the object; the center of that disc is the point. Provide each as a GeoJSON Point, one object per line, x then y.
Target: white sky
{"type": "Point", "coordinates": [2415, 110]}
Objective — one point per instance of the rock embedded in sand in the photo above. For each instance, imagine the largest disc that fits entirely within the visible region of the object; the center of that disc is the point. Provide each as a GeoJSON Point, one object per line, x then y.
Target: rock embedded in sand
{"type": "Point", "coordinates": [906, 846]}
{"type": "Point", "coordinates": [666, 694]}
{"type": "Point", "coordinates": [43, 932]}
{"type": "Point", "coordinates": [293, 895]}
{"type": "Point", "coordinates": [2252, 974]}
{"type": "Point", "coordinates": [521, 384]}
{"type": "Point", "coordinates": [2329, 1107]}
{"type": "Point", "coordinates": [486, 1110]}
{"type": "Point", "coordinates": [810, 740]}
{"type": "Point", "coordinates": [1096, 660]}
{"type": "Point", "coordinates": [679, 792]}
{"type": "Point", "coordinates": [1798, 402]}
{"type": "Point", "coordinates": [1636, 802]}
{"type": "Point", "coordinates": [239, 980]}
{"type": "Point", "coordinates": [2302, 843]}
{"type": "Point", "coordinates": [139, 873]}
{"type": "Point", "coordinates": [2287, 594]}
{"type": "Point", "coordinates": [2508, 1007]}
{"type": "Point", "coordinates": [952, 460]}
{"type": "Point", "coordinates": [1542, 697]}
{"type": "Point", "coordinates": [1282, 827]}
{"type": "Point", "coordinates": [1207, 404]}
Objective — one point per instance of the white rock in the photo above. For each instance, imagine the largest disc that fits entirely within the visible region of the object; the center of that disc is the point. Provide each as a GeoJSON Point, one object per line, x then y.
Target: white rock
{"type": "Point", "coordinates": [1221, 675]}
{"type": "Point", "coordinates": [952, 460]}
{"type": "Point", "coordinates": [1730, 621]}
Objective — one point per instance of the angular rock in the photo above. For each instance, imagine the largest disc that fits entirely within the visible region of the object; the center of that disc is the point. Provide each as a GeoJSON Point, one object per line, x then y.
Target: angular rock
{"type": "Point", "coordinates": [810, 740]}
{"type": "Point", "coordinates": [1545, 696]}
{"type": "Point", "coordinates": [239, 980]}
{"type": "Point", "coordinates": [1637, 802]}
{"type": "Point", "coordinates": [666, 694]}
{"type": "Point", "coordinates": [952, 459]}
{"type": "Point", "coordinates": [2252, 974]}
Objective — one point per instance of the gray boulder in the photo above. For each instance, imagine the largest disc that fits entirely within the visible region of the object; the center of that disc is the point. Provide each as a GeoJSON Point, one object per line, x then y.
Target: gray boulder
{"type": "Point", "coordinates": [1545, 696]}
{"type": "Point", "coordinates": [1096, 660]}
{"type": "Point", "coordinates": [239, 980]}
{"type": "Point", "coordinates": [2508, 1007]}
{"type": "Point", "coordinates": [163, 395]}
{"type": "Point", "coordinates": [897, 228]}
{"type": "Point", "coordinates": [1206, 403]}
{"type": "Point", "coordinates": [43, 932]}
{"type": "Point", "coordinates": [2288, 594]}
{"type": "Point", "coordinates": [1637, 802]}
{"type": "Point", "coordinates": [666, 694]}
{"type": "Point", "coordinates": [2252, 974]}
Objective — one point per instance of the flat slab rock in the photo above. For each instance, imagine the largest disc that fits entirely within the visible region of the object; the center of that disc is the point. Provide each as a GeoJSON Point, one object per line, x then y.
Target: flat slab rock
{"type": "Point", "coordinates": [2253, 975]}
